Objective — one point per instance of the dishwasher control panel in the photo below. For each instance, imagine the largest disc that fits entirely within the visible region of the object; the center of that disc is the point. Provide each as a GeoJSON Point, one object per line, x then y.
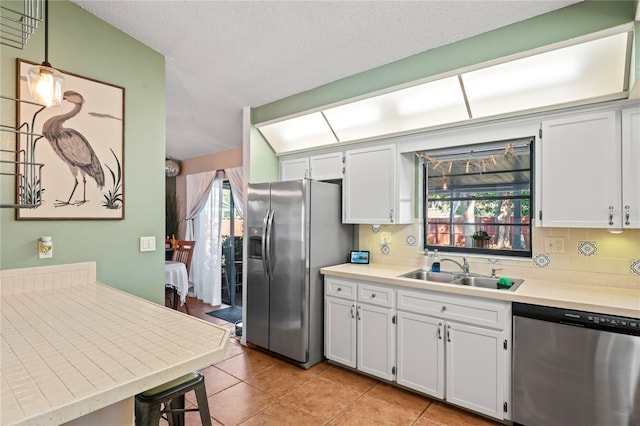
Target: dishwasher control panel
{"type": "Point", "coordinates": [615, 322]}
{"type": "Point", "coordinates": [594, 320]}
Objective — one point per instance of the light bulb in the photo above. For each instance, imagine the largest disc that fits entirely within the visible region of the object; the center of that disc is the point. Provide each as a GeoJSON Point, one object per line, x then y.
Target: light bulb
{"type": "Point", "coordinates": [45, 85]}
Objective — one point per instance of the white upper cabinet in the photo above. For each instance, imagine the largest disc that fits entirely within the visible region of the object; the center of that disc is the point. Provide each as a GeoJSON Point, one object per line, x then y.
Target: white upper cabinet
{"type": "Point", "coordinates": [327, 166]}
{"type": "Point", "coordinates": [376, 190]}
{"type": "Point", "coordinates": [631, 168]}
{"type": "Point", "coordinates": [579, 183]}
{"type": "Point", "coordinates": [294, 169]}
{"type": "Point", "coordinates": [369, 185]}
{"type": "Point", "coordinates": [318, 167]}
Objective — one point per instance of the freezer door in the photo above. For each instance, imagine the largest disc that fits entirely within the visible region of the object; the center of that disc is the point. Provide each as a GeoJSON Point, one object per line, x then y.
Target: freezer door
{"type": "Point", "coordinates": [257, 312]}
{"type": "Point", "coordinates": [289, 313]}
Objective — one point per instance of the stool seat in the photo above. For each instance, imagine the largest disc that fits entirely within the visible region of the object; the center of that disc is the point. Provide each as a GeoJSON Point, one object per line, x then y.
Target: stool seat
{"type": "Point", "coordinates": [171, 394]}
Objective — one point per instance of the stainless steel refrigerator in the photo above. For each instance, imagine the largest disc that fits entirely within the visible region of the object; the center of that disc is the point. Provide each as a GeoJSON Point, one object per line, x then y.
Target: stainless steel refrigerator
{"type": "Point", "coordinates": [294, 228]}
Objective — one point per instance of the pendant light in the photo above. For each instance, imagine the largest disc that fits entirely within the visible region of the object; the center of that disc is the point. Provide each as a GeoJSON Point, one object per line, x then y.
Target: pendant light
{"type": "Point", "coordinates": [45, 83]}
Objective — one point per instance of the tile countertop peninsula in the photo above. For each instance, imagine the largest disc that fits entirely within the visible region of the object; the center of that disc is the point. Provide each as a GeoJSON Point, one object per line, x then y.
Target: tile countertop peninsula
{"type": "Point", "coordinates": [74, 350]}
{"type": "Point", "coordinates": [591, 298]}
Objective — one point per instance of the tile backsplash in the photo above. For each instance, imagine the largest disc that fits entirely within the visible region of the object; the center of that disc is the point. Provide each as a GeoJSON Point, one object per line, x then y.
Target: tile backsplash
{"type": "Point", "coordinates": [46, 277]}
{"type": "Point", "coordinates": [591, 256]}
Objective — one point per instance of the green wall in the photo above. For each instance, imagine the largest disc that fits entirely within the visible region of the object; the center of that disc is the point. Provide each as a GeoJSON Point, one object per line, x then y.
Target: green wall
{"type": "Point", "coordinates": [572, 21]}
{"type": "Point", "coordinates": [82, 44]}
{"type": "Point", "coordinates": [265, 166]}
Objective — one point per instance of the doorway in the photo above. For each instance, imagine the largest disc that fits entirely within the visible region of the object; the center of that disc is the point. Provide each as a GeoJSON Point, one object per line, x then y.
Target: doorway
{"type": "Point", "coordinates": [232, 232]}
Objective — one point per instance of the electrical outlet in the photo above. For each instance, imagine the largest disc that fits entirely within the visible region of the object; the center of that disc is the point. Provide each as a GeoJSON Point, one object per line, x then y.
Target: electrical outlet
{"type": "Point", "coordinates": [554, 245]}
{"type": "Point", "coordinates": [385, 238]}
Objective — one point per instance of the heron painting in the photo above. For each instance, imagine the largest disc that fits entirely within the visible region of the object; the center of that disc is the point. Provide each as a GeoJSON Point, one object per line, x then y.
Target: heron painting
{"type": "Point", "coordinates": [74, 149]}
{"type": "Point", "coordinates": [81, 144]}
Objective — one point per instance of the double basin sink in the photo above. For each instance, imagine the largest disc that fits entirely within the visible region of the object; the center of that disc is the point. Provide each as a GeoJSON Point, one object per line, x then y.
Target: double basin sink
{"type": "Point", "coordinates": [463, 280]}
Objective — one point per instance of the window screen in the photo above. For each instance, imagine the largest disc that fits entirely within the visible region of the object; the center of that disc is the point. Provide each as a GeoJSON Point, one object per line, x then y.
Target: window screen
{"type": "Point", "coordinates": [478, 198]}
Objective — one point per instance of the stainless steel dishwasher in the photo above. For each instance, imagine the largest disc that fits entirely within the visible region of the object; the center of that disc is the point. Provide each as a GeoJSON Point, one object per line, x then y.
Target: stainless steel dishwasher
{"type": "Point", "coordinates": [575, 368]}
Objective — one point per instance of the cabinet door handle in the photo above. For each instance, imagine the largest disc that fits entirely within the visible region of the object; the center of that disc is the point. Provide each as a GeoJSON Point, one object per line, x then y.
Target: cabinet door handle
{"type": "Point", "coordinates": [627, 215]}
{"type": "Point", "coordinates": [352, 315]}
{"type": "Point", "coordinates": [448, 333]}
{"type": "Point", "coordinates": [610, 215]}
{"type": "Point", "coordinates": [439, 331]}
{"type": "Point", "coordinates": [373, 295]}
{"type": "Point", "coordinates": [359, 316]}
{"type": "Point", "coordinates": [339, 289]}
{"type": "Point", "coordinates": [444, 308]}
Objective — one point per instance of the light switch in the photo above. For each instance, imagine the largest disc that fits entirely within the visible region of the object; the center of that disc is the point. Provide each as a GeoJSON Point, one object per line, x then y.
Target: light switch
{"type": "Point", "coordinates": [147, 244]}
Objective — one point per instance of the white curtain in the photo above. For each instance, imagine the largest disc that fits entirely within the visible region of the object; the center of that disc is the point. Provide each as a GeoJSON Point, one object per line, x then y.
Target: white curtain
{"type": "Point", "coordinates": [198, 187]}
{"type": "Point", "coordinates": [235, 179]}
{"type": "Point", "coordinates": [206, 265]}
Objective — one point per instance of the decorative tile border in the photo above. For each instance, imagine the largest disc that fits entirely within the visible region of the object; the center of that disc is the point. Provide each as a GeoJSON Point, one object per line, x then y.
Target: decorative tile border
{"type": "Point", "coordinates": [541, 261]}
{"type": "Point", "coordinates": [635, 266]}
{"type": "Point", "coordinates": [411, 240]}
{"type": "Point", "coordinates": [587, 248]}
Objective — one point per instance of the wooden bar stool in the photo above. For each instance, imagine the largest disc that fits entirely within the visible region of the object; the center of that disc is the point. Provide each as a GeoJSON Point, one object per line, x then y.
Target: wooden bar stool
{"type": "Point", "coordinates": [171, 394]}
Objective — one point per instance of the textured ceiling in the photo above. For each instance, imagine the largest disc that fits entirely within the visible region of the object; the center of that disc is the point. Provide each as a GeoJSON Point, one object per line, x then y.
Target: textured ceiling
{"type": "Point", "coordinates": [224, 55]}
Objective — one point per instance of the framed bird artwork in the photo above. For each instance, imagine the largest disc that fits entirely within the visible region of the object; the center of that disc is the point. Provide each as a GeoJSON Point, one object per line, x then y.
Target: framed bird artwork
{"type": "Point", "coordinates": [80, 143]}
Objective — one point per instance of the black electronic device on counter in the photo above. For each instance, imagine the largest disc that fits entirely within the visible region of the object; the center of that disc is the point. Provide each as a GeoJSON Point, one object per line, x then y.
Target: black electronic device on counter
{"type": "Point", "coordinates": [359, 257]}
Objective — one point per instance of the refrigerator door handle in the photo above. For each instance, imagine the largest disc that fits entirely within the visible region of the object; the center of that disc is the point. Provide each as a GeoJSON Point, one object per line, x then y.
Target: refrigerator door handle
{"type": "Point", "coordinates": [264, 243]}
{"type": "Point", "coordinates": [268, 257]}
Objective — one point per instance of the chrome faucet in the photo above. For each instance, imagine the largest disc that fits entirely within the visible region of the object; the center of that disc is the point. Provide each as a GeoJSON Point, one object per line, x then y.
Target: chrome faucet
{"type": "Point", "coordinates": [464, 266]}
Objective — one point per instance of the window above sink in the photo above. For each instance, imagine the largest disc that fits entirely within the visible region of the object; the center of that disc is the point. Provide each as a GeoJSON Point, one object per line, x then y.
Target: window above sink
{"type": "Point", "coordinates": [478, 199]}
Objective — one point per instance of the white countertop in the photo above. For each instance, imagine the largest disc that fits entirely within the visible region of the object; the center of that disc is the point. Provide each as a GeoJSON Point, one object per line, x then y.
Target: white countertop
{"type": "Point", "coordinates": [66, 353]}
{"type": "Point", "coordinates": [600, 299]}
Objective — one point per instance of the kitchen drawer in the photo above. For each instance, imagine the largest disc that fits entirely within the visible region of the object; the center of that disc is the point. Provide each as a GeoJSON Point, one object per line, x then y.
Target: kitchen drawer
{"type": "Point", "coordinates": [470, 310]}
{"type": "Point", "coordinates": [375, 295]}
{"type": "Point", "coordinates": [343, 289]}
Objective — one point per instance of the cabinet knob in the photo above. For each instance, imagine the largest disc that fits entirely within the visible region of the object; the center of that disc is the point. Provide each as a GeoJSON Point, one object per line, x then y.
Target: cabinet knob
{"type": "Point", "coordinates": [444, 308]}
{"type": "Point", "coordinates": [373, 295]}
{"type": "Point", "coordinates": [339, 289]}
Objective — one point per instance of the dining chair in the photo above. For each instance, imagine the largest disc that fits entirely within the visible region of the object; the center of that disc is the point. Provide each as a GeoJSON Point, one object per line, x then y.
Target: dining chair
{"type": "Point", "coordinates": [183, 252]}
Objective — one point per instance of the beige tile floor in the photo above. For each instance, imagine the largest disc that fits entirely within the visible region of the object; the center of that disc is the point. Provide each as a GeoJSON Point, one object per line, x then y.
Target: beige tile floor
{"type": "Point", "coordinates": [250, 387]}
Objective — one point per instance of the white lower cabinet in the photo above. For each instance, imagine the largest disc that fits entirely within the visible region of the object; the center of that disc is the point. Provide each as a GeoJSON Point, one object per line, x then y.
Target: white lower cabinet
{"type": "Point", "coordinates": [375, 346]}
{"type": "Point", "coordinates": [359, 326]}
{"type": "Point", "coordinates": [421, 353]}
{"type": "Point", "coordinates": [448, 346]}
{"type": "Point", "coordinates": [475, 368]}
{"type": "Point", "coordinates": [340, 331]}
{"type": "Point", "coordinates": [442, 351]}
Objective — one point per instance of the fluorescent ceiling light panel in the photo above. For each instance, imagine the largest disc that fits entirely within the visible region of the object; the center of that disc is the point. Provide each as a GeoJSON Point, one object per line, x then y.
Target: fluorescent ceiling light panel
{"type": "Point", "coordinates": [583, 71]}
{"type": "Point", "coordinates": [306, 131]}
{"type": "Point", "coordinates": [573, 74]}
{"type": "Point", "coordinates": [431, 97]}
{"type": "Point", "coordinates": [424, 105]}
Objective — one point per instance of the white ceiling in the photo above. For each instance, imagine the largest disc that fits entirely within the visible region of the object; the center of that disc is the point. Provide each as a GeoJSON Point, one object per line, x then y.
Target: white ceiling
{"type": "Point", "coordinates": [224, 55]}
